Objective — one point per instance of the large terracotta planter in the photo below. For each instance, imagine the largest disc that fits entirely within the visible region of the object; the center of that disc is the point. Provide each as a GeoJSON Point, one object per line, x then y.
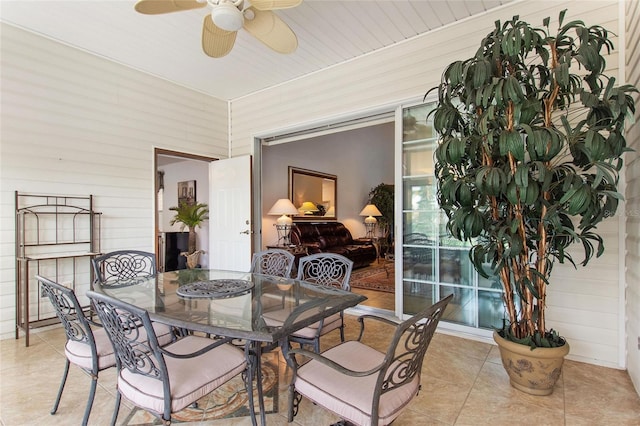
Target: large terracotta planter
{"type": "Point", "coordinates": [532, 371]}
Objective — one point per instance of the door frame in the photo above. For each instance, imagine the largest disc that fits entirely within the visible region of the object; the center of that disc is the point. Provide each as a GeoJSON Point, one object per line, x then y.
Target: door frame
{"type": "Point", "coordinates": [313, 128]}
{"type": "Point", "coordinates": [157, 152]}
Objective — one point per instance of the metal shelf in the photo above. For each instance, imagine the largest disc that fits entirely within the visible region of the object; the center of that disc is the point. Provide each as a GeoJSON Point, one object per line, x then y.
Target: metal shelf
{"type": "Point", "coordinates": [44, 222]}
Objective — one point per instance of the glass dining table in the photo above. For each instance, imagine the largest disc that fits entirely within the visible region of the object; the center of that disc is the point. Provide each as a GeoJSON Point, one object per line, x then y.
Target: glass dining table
{"type": "Point", "coordinates": [261, 310]}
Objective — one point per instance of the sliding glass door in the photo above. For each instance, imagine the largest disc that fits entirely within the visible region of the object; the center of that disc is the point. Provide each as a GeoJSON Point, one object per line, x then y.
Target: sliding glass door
{"type": "Point", "coordinates": [432, 264]}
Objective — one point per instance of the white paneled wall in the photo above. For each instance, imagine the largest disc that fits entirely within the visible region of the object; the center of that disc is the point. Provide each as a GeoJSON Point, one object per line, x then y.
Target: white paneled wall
{"type": "Point", "coordinates": [632, 211]}
{"type": "Point", "coordinates": [78, 124]}
{"type": "Point", "coordinates": [584, 304]}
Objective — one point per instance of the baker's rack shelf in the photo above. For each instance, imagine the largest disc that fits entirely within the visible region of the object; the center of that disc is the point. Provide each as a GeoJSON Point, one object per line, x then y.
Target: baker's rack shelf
{"type": "Point", "coordinates": [56, 237]}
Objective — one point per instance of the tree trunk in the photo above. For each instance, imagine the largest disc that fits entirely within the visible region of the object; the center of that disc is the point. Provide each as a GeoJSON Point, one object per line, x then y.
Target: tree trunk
{"type": "Point", "coordinates": [192, 240]}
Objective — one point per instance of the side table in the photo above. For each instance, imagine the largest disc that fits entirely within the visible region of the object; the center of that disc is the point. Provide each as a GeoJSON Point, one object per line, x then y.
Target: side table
{"type": "Point", "coordinates": [376, 241]}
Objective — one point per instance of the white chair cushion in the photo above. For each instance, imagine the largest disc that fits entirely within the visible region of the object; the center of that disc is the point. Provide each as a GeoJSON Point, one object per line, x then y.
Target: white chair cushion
{"type": "Point", "coordinates": [79, 353]}
{"type": "Point", "coordinates": [190, 378]}
{"type": "Point", "coordinates": [278, 317]}
{"type": "Point", "coordinates": [351, 397]}
{"type": "Point", "coordinates": [330, 324]}
{"type": "Point", "coordinates": [164, 333]}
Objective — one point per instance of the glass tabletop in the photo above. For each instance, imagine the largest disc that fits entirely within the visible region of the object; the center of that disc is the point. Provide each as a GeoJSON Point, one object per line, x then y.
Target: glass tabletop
{"type": "Point", "coordinates": [234, 304]}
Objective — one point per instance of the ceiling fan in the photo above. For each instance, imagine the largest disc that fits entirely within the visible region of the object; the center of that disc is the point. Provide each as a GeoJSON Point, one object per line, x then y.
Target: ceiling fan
{"type": "Point", "coordinates": [221, 26]}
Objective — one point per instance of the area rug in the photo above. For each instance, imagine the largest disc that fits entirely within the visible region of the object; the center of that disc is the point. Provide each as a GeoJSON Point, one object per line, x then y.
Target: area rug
{"type": "Point", "coordinates": [377, 276]}
{"type": "Point", "coordinates": [230, 400]}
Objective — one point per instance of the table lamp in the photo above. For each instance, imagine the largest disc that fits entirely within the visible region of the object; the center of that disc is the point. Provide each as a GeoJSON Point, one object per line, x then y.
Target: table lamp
{"type": "Point", "coordinates": [283, 207]}
{"type": "Point", "coordinates": [308, 207]}
{"type": "Point", "coordinates": [370, 221]}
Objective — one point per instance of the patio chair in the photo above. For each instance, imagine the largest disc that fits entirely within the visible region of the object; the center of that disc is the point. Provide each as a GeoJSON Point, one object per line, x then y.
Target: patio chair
{"type": "Point", "coordinates": [165, 380]}
{"type": "Point", "coordinates": [361, 384]}
{"type": "Point", "coordinates": [119, 266]}
{"type": "Point", "coordinates": [86, 347]}
{"type": "Point", "coordinates": [329, 270]}
{"type": "Point", "coordinates": [275, 262]}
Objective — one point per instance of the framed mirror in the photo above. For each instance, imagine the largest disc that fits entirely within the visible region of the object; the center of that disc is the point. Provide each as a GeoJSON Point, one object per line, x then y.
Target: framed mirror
{"type": "Point", "coordinates": [314, 194]}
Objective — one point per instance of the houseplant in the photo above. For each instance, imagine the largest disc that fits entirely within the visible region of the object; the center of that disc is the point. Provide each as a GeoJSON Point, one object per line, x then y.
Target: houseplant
{"type": "Point", "coordinates": [190, 216]}
{"type": "Point", "coordinates": [528, 160]}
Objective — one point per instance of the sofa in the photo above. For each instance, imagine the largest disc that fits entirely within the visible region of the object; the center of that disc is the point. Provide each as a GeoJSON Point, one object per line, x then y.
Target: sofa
{"type": "Point", "coordinates": [333, 237]}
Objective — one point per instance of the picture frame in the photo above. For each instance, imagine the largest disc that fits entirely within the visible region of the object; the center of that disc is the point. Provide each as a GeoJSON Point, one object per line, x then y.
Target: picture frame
{"type": "Point", "coordinates": [187, 192]}
{"type": "Point", "coordinates": [319, 189]}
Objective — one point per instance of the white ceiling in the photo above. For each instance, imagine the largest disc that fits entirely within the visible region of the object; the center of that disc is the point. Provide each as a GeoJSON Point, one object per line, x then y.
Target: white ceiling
{"type": "Point", "coordinates": [169, 46]}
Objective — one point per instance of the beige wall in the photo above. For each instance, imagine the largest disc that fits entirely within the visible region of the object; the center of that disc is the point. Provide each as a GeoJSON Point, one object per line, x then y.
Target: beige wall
{"type": "Point", "coordinates": [77, 124]}
{"type": "Point", "coordinates": [361, 159]}
{"type": "Point", "coordinates": [585, 305]}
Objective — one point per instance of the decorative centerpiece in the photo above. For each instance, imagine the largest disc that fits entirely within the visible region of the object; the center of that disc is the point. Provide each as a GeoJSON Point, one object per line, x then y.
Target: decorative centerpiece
{"type": "Point", "coordinates": [215, 289]}
{"type": "Point", "coordinates": [531, 147]}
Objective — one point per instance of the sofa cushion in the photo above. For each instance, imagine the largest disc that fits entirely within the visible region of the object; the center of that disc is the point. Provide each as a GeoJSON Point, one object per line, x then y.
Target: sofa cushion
{"type": "Point", "coordinates": [322, 243]}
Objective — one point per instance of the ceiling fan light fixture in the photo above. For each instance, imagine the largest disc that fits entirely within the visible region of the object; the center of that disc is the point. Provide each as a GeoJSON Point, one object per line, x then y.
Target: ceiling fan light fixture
{"type": "Point", "coordinates": [227, 17]}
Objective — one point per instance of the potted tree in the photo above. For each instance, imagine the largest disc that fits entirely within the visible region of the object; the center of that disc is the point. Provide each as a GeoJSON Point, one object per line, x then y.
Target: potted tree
{"type": "Point", "coordinates": [191, 216]}
{"type": "Point", "coordinates": [528, 159]}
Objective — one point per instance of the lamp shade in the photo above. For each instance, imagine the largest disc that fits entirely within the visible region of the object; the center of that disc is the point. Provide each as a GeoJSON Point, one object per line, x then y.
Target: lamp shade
{"type": "Point", "coordinates": [370, 210]}
{"type": "Point", "coordinates": [283, 207]}
{"type": "Point", "coordinates": [308, 207]}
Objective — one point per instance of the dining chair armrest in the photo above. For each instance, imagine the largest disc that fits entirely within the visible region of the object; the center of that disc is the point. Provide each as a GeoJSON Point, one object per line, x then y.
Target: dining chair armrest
{"type": "Point", "coordinates": [332, 364]}
{"type": "Point", "coordinates": [362, 318]}
{"type": "Point", "coordinates": [93, 322]}
{"type": "Point", "coordinates": [215, 344]}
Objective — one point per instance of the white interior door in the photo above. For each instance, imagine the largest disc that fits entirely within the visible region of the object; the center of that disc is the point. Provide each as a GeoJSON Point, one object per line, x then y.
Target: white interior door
{"type": "Point", "coordinates": [230, 228]}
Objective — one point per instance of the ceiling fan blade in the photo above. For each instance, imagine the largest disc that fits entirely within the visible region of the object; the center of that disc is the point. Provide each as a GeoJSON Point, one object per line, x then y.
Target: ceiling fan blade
{"type": "Point", "coordinates": [275, 4]}
{"type": "Point", "coordinates": [267, 27]}
{"type": "Point", "coordinates": [216, 42]}
{"type": "Point", "coordinates": [156, 7]}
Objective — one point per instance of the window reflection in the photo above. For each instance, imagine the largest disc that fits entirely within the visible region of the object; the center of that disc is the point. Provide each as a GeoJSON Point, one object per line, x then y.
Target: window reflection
{"type": "Point", "coordinates": [436, 264]}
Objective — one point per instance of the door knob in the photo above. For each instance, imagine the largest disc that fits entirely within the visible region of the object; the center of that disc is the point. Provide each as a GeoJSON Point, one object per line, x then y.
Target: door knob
{"type": "Point", "coordinates": [246, 232]}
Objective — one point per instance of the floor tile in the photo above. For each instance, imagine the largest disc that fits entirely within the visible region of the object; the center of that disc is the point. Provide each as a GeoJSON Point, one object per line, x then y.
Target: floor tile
{"type": "Point", "coordinates": [463, 383]}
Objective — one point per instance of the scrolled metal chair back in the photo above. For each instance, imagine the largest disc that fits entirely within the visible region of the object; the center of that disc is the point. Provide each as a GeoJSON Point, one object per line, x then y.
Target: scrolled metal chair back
{"type": "Point", "coordinates": [132, 335]}
{"type": "Point", "coordinates": [408, 347]}
{"type": "Point", "coordinates": [121, 266]}
{"type": "Point", "coordinates": [68, 310]}
{"type": "Point", "coordinates": [274, 262]}
{"type": "Point", "coordinates": [326, 269]}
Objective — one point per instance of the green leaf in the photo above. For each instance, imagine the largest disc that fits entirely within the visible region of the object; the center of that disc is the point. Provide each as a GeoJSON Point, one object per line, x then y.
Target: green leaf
{"type": "Point", "coordinates": [511, 142]}
{"type": "Point", "coordinates": [530, 193]}
{"type": "Point", "coordinates": [478, 256]}
{"type": "Point", "coordinates": [190, 215]}
{"type": "Point", "coordinates": [522, 176]}
{"type": "Point", "coordinates": [473, 224]}
{"type": "Point", "coordinates": [454, 73]}
{"type": "Point", "coordinates": [512, 193]}
{"type": "Point", "coordinates": [455, 150]}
